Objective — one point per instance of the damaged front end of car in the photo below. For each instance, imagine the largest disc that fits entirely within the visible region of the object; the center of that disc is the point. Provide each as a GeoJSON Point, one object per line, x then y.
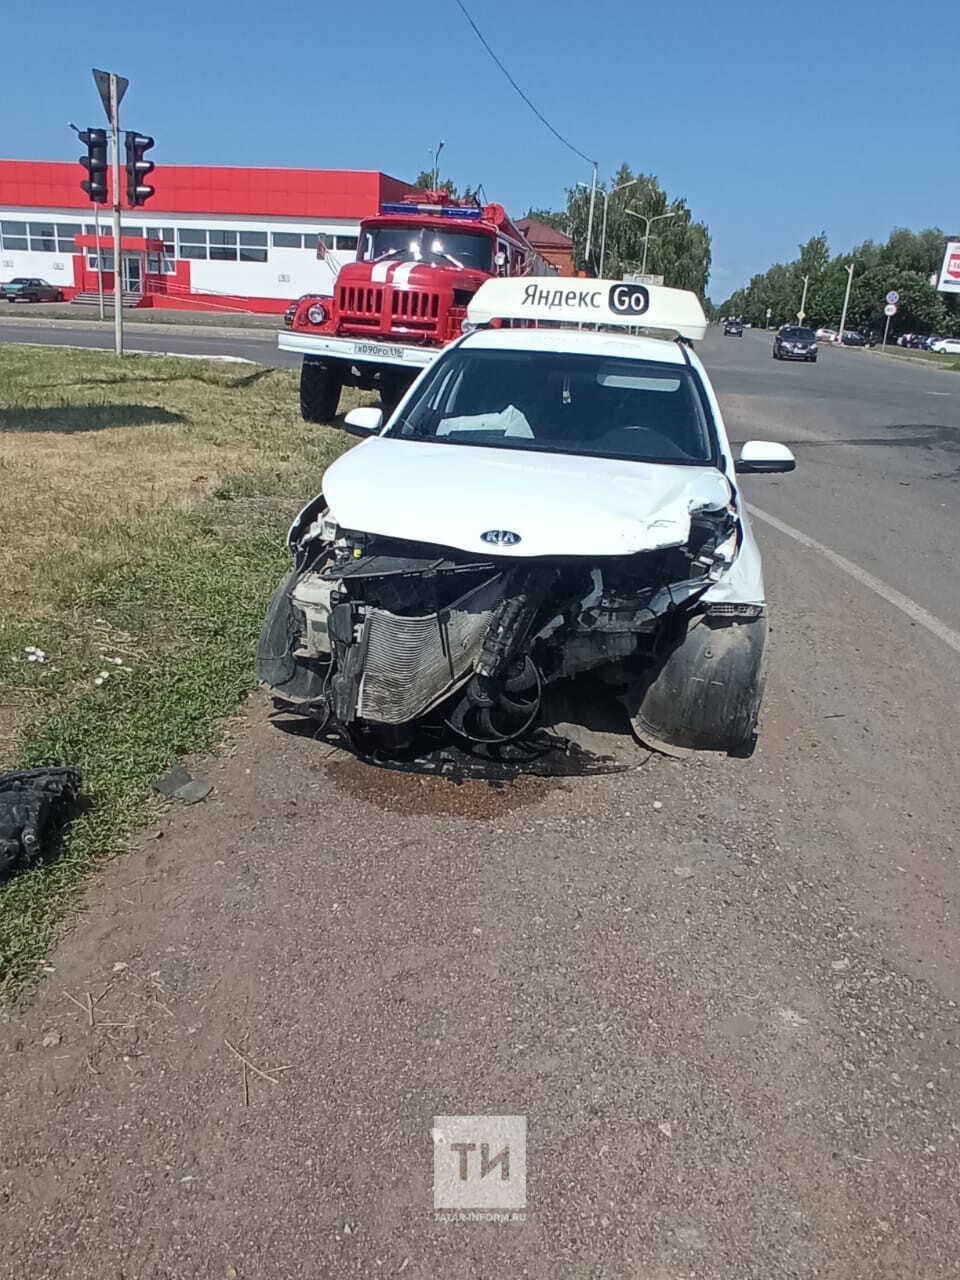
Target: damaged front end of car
{"type": "Point", "coordinates": [397, 647]}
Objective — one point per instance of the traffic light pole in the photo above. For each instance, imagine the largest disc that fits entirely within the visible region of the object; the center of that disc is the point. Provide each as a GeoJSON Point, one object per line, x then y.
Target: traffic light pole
{"type": "Point", "coordinates": [117, 252]}
{"type": "Point", "coordinates": [96, 227]}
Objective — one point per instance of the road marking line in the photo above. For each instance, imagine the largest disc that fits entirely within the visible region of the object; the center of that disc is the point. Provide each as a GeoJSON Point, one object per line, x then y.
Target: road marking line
{"type": "Point", "coordinates": [137, 351]}
{"type": "Point", "coordinates": [915, 612]}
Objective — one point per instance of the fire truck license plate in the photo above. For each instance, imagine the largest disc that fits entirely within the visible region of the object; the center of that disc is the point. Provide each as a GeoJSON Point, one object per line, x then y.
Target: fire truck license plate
{"type": "Point", "coordinates": [377, 349]}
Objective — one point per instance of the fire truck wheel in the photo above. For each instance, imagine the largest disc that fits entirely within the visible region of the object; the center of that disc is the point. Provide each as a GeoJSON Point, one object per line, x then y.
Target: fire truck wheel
{"type": "Point", "coordinates": [319, 391]}
{"type": "Point", "coordinates": [392, 391]}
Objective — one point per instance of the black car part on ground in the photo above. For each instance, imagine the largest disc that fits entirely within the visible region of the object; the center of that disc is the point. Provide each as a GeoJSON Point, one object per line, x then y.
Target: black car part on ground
{"type": "Point", "coordinates": [34, 804]}
{"type": "Point", "coordinates": [390, 643]}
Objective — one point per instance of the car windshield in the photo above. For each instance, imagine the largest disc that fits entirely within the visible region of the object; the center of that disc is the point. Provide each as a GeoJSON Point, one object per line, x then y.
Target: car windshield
{"type": "Point", "coordinates": [561, 403]}
{"type": "Point", "coordinates": [455, 248]}
{"type": "Point", "coordinates": [798, 335]}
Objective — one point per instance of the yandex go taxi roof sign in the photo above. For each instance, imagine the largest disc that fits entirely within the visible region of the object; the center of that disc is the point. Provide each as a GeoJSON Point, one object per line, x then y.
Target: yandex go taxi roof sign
{"type": "Point", "coordinates": [603, 302]}
{"type": "Point", "coordinates": [949, 281]}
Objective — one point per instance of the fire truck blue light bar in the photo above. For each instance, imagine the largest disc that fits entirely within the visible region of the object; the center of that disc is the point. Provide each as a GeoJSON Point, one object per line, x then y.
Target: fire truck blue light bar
{"type": "Point", "coordinates": [438, 211]}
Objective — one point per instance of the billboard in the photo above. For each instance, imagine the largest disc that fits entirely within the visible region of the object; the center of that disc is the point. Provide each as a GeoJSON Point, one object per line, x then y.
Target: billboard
{"type": "Point", "coordinates": [949, 281]}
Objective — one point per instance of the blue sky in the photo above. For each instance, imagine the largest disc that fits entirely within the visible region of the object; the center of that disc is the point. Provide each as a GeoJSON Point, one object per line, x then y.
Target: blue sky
{"type": "Point", "coordinates": [774, 120]}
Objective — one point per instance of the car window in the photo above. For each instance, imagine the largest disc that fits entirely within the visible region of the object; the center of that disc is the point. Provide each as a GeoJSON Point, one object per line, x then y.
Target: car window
{"type": "Point", "coordinates": [564, 403]}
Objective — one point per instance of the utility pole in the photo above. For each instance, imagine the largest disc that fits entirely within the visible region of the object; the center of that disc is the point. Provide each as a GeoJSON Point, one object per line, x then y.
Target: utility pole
{"type": "Point", "coordinates": [593, 201]}
{"type": "Point", "coordinates": [846, 303]}
{"type": "Point", "coordinates": [117, 252]}
{"type": "Point", "coordinates": [801, 314]}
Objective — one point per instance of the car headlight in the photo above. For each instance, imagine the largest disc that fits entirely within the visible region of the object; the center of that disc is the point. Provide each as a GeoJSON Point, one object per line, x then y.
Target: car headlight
{"type": "Point", "coordinates": [317, 313]}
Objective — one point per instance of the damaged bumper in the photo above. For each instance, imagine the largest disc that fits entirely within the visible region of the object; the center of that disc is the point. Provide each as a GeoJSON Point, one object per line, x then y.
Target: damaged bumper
{"type": "Point", "coordinates": [387, 642]}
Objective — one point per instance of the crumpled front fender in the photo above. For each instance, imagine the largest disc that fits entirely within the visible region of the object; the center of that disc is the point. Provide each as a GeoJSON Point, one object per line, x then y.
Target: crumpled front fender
{"type": "Point", "coordinates": [705, 694]}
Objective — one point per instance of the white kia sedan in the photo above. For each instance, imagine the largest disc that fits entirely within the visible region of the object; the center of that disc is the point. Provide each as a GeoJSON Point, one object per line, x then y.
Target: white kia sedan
{"type": "Point", "coordinates": [554, 500]}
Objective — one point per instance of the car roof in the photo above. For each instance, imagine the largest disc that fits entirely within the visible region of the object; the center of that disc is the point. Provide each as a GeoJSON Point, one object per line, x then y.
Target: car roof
{"type": "Point", "coordinates": [616, 346]}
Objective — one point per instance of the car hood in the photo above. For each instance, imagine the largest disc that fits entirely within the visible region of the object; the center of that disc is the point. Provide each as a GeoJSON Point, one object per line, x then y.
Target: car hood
{"type": "Point", "coordinates": [553, 504]}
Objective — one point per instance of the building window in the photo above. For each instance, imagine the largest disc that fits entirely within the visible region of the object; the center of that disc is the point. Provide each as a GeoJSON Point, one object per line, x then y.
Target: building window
{"type": "Point", "coordinates": [169, 238]}
{"type": "Point", "coordinates": [157, 265]}
{"type": "Point", "coordinates": [14, 235]}
{"type": "Point", "coordinates": [65, 233]}
{"type": "Point", "coordinates": [43, 237]}
{"type": "Point", "coordinates": [192, 243]}
{"type": "Point", "coordinates": [287, 240]}
{"type": "Point", "coordinates": [348, 243]}
{"type": "Point", "coordinates": [253, 246]}
{"type": "Point", "coordinates": [223, 246]}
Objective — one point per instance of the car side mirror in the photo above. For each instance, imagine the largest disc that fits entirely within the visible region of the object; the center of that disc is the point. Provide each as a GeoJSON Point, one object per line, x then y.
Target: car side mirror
{"type": "Point", "coordinates": [764, 457]}
{"type": "Point", "coordinates": [365, 421]}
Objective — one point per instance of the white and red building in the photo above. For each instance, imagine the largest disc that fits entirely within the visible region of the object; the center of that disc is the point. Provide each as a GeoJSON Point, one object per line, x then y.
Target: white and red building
{"type": "Point", "coordinates": [211, 238]}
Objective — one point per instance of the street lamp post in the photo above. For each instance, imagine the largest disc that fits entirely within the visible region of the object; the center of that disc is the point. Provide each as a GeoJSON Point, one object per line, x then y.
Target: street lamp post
{"type": "Point", "coordinates": [606, 207]}
{"type": "Point", "coordinates": [846, 303]}
{"type": "Point", "coordinates": [802, 313]}
{"type": "Point", "coordinates": [646, 235]}
{"type": "Point", "coordinates": [435, 152]}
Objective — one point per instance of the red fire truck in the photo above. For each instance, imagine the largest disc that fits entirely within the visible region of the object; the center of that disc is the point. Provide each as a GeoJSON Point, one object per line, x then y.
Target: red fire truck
{"type": "Point", "coordinates": [419, 262]}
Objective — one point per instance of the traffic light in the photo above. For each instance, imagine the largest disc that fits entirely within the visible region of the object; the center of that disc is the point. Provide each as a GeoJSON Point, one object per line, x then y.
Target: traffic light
{"type": "Point", "coordinates": [95, 163]}
{"type": "Point", "coordinates": [138, 168]}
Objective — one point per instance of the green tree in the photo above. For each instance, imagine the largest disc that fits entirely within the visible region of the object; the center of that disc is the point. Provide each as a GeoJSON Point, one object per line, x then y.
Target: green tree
{"type": "Point", "coordinates": [678, 247]}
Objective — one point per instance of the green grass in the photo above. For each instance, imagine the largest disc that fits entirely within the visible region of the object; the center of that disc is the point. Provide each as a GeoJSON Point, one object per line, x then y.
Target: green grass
{"type": "Point", "coordinates": [149, 501]}
{"type": "Point", "coordinates": [931, 357]}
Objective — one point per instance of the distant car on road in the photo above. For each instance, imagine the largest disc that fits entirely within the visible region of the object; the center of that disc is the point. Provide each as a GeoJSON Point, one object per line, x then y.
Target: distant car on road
{"type": "Point", "coordinates": [853, 339]}
{"type": "Point", "coordinates": [794, 343]}
{"type": "Point", "coordinates": [30, 289]}
{"type": "Point", "coordinates": [826, 335]}
{"type": "Point", "coordinates": [733, 329]}
{"type": "Point", "coordinates": [947, 347]}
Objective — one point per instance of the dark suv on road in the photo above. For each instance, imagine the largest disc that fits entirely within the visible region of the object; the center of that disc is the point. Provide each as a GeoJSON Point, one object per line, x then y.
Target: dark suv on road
{"type": "Point", "coordinates": [793, 343]}
{"type": "Point", "coordinates": [733, 328]}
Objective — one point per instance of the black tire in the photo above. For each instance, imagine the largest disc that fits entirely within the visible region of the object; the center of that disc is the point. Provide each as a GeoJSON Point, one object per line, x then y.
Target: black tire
{"type": "Point", "coordinates": [320, 385]}
{"type": "Point", "coordinates": [392, 391]}
{"type": "Point", "coordinates": [59, 297]}
{"type": "Point", "coordinates": [33, 297]}
{"type": "Point", "coordinates": [775, 356]}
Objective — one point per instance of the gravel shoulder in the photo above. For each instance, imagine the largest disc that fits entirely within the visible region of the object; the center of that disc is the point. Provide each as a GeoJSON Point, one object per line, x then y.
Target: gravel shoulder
{"type": "Point", "coordinates": [722, 992]}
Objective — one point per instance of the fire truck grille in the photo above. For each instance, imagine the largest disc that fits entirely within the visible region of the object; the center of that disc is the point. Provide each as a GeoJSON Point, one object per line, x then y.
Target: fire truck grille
{"type": "Point", "coordinates": [360, 305]}
{"type": "Point", "coordinates": [415, 308]}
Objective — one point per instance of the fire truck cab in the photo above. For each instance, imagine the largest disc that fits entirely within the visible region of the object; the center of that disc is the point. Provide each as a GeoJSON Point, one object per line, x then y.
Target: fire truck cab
{"type": "Point", "coordinates": [419, 262]}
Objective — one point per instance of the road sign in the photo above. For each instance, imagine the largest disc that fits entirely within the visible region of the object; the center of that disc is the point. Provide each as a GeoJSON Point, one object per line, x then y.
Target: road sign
{"type": "Point", "coordinates": [102, 79]}
{"type": "Point", "coordinates": [890, 309]}
{"type": "Point", "coordinates": [893, 297]}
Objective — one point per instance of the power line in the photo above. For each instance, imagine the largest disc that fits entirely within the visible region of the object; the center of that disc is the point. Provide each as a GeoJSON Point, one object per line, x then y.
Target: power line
{"type": "Point", "coordinates": [539, 114]}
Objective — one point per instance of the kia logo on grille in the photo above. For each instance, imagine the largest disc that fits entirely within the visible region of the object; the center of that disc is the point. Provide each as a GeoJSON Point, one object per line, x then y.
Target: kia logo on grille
{"type": "Point", "coordinates": [500, 537]}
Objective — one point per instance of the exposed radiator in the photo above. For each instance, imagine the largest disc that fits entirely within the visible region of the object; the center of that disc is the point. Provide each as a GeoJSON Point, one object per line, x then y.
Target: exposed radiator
{"type": "Point", "coordinates": [412, 663]}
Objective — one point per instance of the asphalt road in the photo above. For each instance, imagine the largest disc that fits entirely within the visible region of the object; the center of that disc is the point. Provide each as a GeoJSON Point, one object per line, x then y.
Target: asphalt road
{"type": "Point", "coordinates": [723, 993]}
{"type": "Point", "coordinates": [193, 340]}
